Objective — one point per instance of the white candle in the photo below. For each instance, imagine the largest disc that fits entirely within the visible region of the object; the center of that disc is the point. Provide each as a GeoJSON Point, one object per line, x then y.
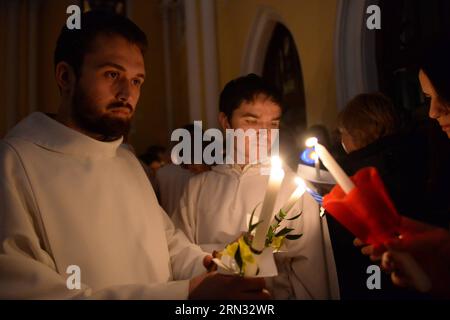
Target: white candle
{"type": "Point", "coordinates": [267, 210]}
{"type": "Point", "coordinates": [328, 161]}
{"type": "Point", "coordinates": [336, 171]}
{"type": "Point", "coordinates": [296, 195]}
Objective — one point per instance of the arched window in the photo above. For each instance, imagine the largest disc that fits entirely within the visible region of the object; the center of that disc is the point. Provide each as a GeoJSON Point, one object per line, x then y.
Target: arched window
{"type": "Point", "coordinates": [282, 68]}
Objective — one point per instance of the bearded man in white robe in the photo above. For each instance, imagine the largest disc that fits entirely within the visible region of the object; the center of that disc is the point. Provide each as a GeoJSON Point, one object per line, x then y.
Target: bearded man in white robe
{"type": "Point", "coordinates": [79, 218]}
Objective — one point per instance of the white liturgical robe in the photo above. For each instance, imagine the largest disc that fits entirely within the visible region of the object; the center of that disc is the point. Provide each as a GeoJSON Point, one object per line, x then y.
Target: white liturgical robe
{"type": "Point", "coordinates": [67, 199]}
{"type": "Point", "coordinates": [170, 183]}
{"type": "Point", "coordinates": [214, 211]}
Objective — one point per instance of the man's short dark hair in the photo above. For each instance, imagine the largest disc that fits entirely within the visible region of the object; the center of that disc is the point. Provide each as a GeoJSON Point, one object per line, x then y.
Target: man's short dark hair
{"type": "Point", "coordinates": [246, 89]}
{"type": "Point", "coordinates": [72, 45]}
{"type": "Point", "coordinates": [152, 154]}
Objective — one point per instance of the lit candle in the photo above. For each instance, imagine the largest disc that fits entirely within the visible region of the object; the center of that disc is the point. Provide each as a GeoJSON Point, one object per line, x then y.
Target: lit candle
{"type": "Point", "coordinates": [328, 161]}
{"type": "Point", "coordinates": [267, 210]}
{"type": "Point", "coordinates": [296, 195]}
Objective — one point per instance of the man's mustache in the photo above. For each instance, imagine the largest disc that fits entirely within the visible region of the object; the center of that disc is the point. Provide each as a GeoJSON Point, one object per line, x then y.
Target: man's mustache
{"type": "Point", "coordinates": [120, 105]}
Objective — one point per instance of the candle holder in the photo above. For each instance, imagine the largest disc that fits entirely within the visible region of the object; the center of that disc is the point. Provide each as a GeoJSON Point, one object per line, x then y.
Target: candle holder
{"type": "Point", "coordinates": [367, 211]}
{"type": "Point", "coordinates": [239, 258]}
{"type": "Point", "coordinates": [308, 173]}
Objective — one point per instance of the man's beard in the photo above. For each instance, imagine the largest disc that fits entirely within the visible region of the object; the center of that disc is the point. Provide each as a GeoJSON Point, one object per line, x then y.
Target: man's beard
{"type": "Point", "coordinates": [88, 119]}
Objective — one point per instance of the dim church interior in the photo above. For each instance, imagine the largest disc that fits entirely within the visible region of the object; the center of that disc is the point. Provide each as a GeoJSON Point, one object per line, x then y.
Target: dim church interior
{"type": "Point", "coordinates": [318, 54]}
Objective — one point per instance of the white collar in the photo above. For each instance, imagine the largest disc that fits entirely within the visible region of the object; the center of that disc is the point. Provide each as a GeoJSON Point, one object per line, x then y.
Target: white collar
{"type": "Point", "coordinates": [48, 133]}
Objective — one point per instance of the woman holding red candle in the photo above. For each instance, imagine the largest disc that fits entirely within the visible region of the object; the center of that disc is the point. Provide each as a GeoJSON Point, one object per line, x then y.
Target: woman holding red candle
{"type": "Point", "coordinates": [429, 245]}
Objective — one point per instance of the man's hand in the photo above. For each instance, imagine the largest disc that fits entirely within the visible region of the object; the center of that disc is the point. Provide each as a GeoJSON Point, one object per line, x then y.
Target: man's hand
{"type": "Point", "coordinates": [214, 286]}
{"type": "Point", "coordinates": [209, 264]}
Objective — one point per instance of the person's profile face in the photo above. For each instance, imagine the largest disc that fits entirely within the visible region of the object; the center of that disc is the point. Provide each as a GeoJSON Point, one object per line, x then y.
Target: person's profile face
{"type": "Point", "coordinates": [108, 88]}
{"type": "Point", "coordinates": [347, 141]}
{"type": "Point", "coordinates": [438, 109]}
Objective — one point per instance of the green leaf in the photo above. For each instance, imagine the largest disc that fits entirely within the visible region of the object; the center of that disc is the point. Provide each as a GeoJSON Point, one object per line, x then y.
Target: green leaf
{"type": "Point", "coordinates": [253, 226]}
{"type": "Point", "coordinates": [238, 258]}
{"type": "Point", "coordinates": [283, 232]}
{"type": "Point", "coordinates": [250, 222]}
{"type": "Point", "coordinates": [295, 217]}
{"type": "Point", "coordinates": [270, 231]}
{"type": "Point", "coordinates": [293, 236]}
{"type": "Point", "coordinates": [269, 235]}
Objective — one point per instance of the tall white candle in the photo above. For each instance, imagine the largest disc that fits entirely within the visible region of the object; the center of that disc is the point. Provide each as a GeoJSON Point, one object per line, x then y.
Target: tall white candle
{"type": "Point", "coordinates": [296, 195]}
{"type": "Point", "coordinates": [328, 161]}
{"type": "Point", "coordinates": [336, 171]}
{"type": "Point", "coordinates": [267, 209]}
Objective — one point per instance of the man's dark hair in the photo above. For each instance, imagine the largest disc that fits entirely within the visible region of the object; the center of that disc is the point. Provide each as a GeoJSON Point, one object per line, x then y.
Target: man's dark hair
{"type": "Point", "coordinates": [72, 45]}
{"type": "Point", "coordinates": [153, 153]}
{"type": "Point", "coordinates": [246, 89]}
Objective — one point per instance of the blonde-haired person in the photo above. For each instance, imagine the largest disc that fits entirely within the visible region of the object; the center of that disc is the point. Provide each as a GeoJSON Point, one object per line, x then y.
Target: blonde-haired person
{"type": "Point", "coordinates": [367, 118]}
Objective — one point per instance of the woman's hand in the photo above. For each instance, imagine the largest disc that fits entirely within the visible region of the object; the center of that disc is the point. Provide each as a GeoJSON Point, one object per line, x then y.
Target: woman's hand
{"type": "Point", "coordinates": [374, 252]}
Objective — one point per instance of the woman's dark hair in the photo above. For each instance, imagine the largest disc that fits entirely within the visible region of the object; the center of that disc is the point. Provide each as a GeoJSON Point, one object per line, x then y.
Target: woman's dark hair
{"type": "Point", "coordinates": [246, 89]}
{"type": "Point", "coordinates": [73, 44]}
{"type": "Point", "coordinates": [436, 65]}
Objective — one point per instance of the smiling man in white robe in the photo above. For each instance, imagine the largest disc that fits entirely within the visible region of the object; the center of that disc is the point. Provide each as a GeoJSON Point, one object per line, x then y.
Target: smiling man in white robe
{"type": "Point", "coordinates": [78, 217]}
{"type": "Point", "coordinates": [216, 205]}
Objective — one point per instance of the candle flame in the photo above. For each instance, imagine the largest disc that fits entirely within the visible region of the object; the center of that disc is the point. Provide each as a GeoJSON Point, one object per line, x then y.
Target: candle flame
{"type": "Point", "coordinates": [313, 155]}
{"type": "Point", "coordinates": [311, 142]}
{"type": "Point", "coordinates": [277, 172]}
{"type": "Point", "coordinates": [301, 187]}
{"type": "Point", "coordinates": [276, 162]}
